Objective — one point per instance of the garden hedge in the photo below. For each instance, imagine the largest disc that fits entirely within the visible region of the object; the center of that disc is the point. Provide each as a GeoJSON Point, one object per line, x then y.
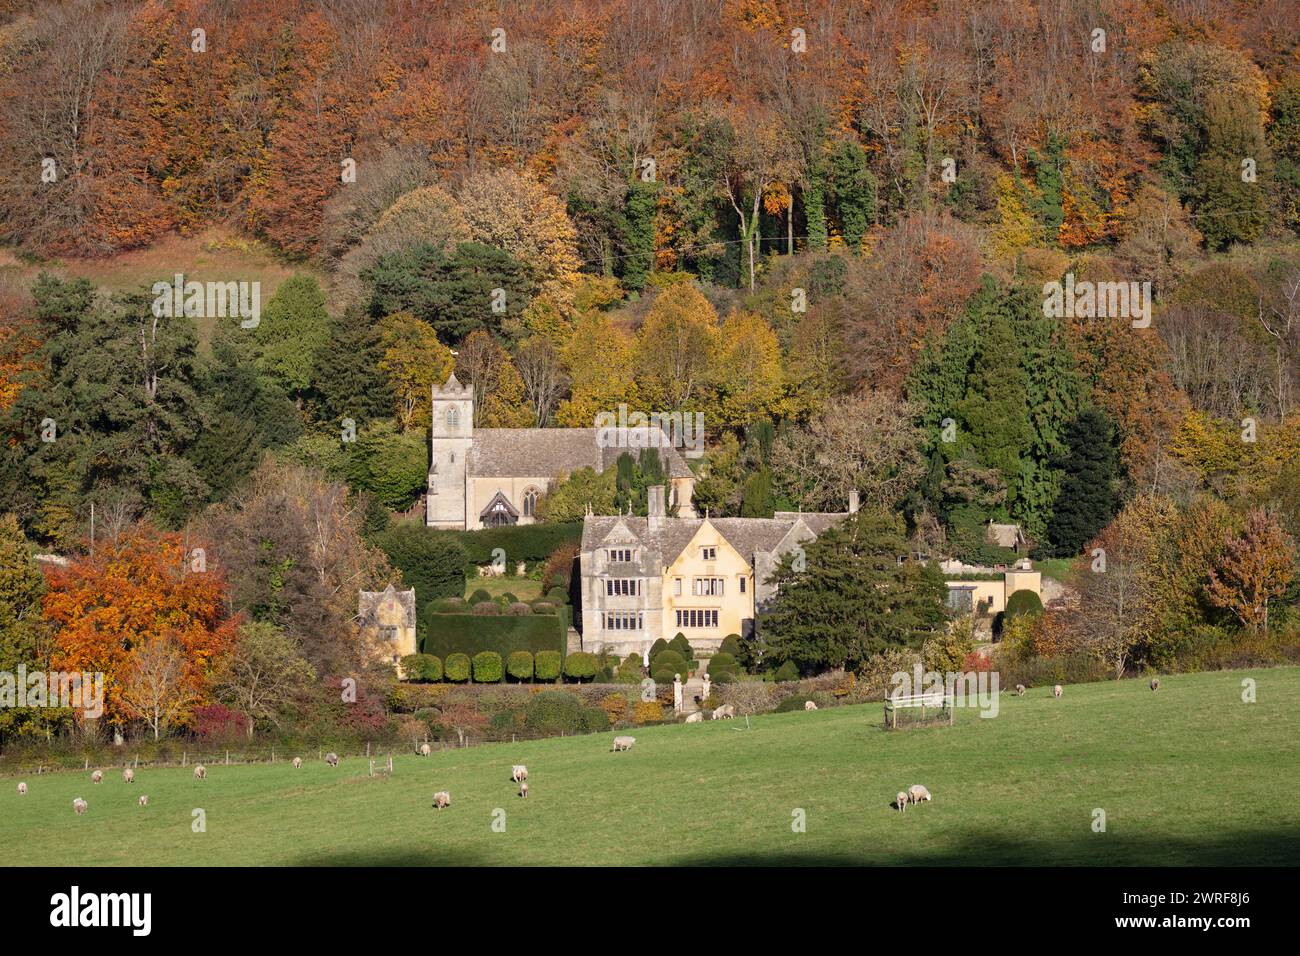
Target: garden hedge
{"type": "Point", "coordinates": [488, 668]}
{"type": "Point", "coordinates": [519, 665]}
{"type": "Point", "coordinates": [580, 666]}
{"type": "Point", "coordinates": [546, 665]}
{"type": "Point", "coordinates": [433, 565]}
{"type": "Point", "coordinates": [445, 634]}
{"type": "Point", "coordinates": [530, 542]}
{"type": "Point", "coordinates": [456, 668]}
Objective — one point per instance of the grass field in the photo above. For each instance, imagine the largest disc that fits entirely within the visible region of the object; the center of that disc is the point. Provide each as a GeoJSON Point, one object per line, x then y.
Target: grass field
{"type": "Point", "coordinates": [1187, 775]}
{"type": "Point", "coordinates": [526, 589]}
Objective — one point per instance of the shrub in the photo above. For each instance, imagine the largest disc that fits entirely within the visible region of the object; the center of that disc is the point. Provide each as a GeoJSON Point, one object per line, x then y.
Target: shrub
{"type": "Point", "coordinates": [796, 702]}
{"type": "Point", "coordinates": [787, 671]}
{"type": "Point", "coordinates": [722, 663]}
{"type": "Point", "coordinates": [662, 677]}
{"type": "Point", "coordinates": [479, 596]}
{"type": "Point", "coordinates": [657, 648]}
{"type": "Point", "coordinates": [1024, 602]}
{"type": "Point", "coordinates": [546, 665]}
{"type": "Point", "coordinates": [557, 596]}
{"type": "Point", "coordinates": [508, 598]}
{"type": "Point", "coordinates": [456, 668]}
{"type": "Point", "coordinates": [558, 569]}
{"type": "Point", "coordinates": [724, 677]}
{"type": "Point", "coordinates": [422, 668]}
{"type": "Point", "coordinates": [730, 645]}
{"type": "Point", "coordinates": [519, 665]}
{"type": "Point", "coordinates": [519, 609]}
{"type": "Point", "coordinates": [487, 608]}
{"type": "Point", "coordinates": [682, 646]}
{"type": "Point", "coordinates": [445, 634]}
{"type": "Point", "coordinates": [629, 671]}
{"type": "Point", "coordinates": [555, 711]}
{"type": "Point", "coordinates": [446, 605]}
{"type": "Point", "coordinates": [648, 712]}
{"type": "Point", "coordinates": [529, 543]}
{"type": "Point", "coordinates": [433, 564]}
{"type": "Point", "coordinates": [580, 666]}
{"type": "Point", "coordinates": [615, 707]}
{"type": "Point", "coordinates": [543, 607]}
{"type": "Point", "coordinates": [487, 668]}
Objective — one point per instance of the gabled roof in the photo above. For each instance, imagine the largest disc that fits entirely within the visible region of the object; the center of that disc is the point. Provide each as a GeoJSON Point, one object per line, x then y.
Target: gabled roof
{"type": "Point", "coordinates": [552, 452]}
{"type": "Point", "coordinates": [369, 602]}
{"type": "Point", "coordinates": [748, 536]}
{"type": "Point", "coordinates": [498, 504]}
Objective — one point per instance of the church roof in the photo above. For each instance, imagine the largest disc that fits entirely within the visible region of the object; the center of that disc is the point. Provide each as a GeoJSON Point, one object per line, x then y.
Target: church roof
{"type": "Point", "coordinates": [550, 452]}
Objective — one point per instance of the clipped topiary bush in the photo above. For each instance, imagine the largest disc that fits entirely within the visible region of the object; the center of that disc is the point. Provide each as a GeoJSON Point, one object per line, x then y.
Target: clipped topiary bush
{"type": "Point", "coordinates": [669, 661]}
{"type": "Point", "coordinates": [546, 665]}
{"type": "Point", "coordinates": [787, 671]}
{"type": "Point", "coordinates": [1024, 602]}
{"type": "Point", "coordinates": [580, 666]}
{"type": "Point", "coordinates": [721, 662]}
{"type": "Point", "coordinates": [657, 648]}
{"type": "Point", "coordinates": [553, 712]}
{"type": "Point", "coordinates": [456, 668]}
{"type": "Point", "coordinates": [543, 607]}
{"type": "Point", "coordinates": [519, 609]}
{"type": "Point", "coordinates": [730, 645]}
{"type": "Point", "coordinates": [557, 596]}
{"type": "Point", "coordinates": [519, 665]}
{"type": "Point", "coordinates": [487, 668]}
{"type": "Point", "coordinates": [682, 646]}
{"type": "Point", "coordinates": [487, 608]}
{"type": "Point", "coordinates": [422, 668]}
{"type": "Point", "coordinates": [479, 595]}
{"type": "Point", "coordinates": [508, 598]}
{"type": "Point", "coordinates": [629, 671]}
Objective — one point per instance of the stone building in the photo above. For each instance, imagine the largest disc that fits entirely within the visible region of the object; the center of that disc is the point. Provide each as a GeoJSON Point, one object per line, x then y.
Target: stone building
{"type": "Point", "coordinates": [387, 622]}
{"type": "Point", "coordinates": [486, 477]}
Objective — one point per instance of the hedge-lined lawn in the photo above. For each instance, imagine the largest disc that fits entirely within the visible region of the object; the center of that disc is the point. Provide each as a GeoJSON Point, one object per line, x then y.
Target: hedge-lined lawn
{"type": "Point", "coordinates": [526, 589]}
{"type": "Point", "coordinates": [1187, 775]}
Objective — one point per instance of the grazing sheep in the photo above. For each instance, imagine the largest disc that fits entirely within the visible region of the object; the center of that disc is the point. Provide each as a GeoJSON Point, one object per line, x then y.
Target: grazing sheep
{"type": "Point", "coordinates": [1155, 683]}
{"type": "Point", "coordinates": [1058, 690]}
{"type": "Point", "coordinates": [97, 776]}
{"type": "Point", "coordinates": [22, 789]}
{"type": "Point", "coordinates": [624, 743]}
{"type": "Point", "coordinates": [518, 773]}
{"type": "Point", "coordinates": [1020, 690]}
{"type": "Point", "coordinates": [695, 718]}
{"type": "Point", "coordinates": [916, 793]}
{"type": "Point", "coordinates": [128, 775]}
{"type": "Point", "coordinates": [80, 806]}
{"type": "Point", "coordinates": [523, 790]}
{"type": "Point", "coordinates": [297, 762]}
{"type": "Point", "coordinates": [900, 801]}
{"type": "Point", "coordinates": [809, 705]}
{"type": "Point", "coordinates": [144, 800]}
{"type": "Point", "coordinates": [725, 711]}
{"type": "Point", "coordinates": [441, 799]}
{"type": "Point", "coordinates": [200, 772]}
{"type": "Point", "coordinates": [332, 759]}
{"type": "Point", "coordinates": [425, 750]}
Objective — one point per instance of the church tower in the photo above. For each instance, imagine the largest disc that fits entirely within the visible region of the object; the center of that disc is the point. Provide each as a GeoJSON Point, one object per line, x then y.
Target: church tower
{"type": "Point", "coordinates": [451, 433]}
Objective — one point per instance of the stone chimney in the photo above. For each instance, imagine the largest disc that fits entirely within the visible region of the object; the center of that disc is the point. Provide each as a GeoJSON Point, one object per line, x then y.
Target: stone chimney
{"type": "Point", "coordinates": [853, 501]}
{"type": "Point", "coordinates": [655, 507]}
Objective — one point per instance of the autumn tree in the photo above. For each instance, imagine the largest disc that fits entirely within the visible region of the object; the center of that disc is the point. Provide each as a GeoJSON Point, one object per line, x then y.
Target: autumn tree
{"type": "Point", "coordinates": [262, 673]}
{"type": "Point", "coordinates": [676, 347]}
{"type": "Point", "coordinates": [1254, 568]}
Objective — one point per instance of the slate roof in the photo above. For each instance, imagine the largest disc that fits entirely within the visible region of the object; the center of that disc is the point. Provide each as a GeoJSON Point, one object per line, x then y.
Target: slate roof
{"type": "Point", "coordinates": [551, 452]}
{"type": "Point", "coordinates": [746, 535]}
{"type": "Point", "coordinates": [369, 601]}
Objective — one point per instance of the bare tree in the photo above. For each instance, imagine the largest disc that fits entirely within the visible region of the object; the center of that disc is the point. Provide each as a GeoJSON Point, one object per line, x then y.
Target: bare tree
{"type": "Point", "coordinates": [155, 689]}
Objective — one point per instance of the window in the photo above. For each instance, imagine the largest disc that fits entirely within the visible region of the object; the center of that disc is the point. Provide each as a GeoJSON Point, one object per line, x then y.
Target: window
{"type": "Point", "coordinates": [530, 502]}
{"type": "Point", "coordinates": [388, 633]}
{"type": "Point", "coordinates": [622, 587]}
{"type": "Point", "coordinates": [622, 555]}
{"type": "Point", "coordinates": [709, 554]}
{"type": "Point", "coordinates": [742, 585]}
{"type": "Point", "coordinates": [707, 587]}
{"type": "Point", "coordinates": [453, 417]}
{"type": "Point", "coordinates": [677, 587]}
{"type": "Point", "coordinates": [622, 620]}
{"type": "Point", "coordinates": [697, 617]}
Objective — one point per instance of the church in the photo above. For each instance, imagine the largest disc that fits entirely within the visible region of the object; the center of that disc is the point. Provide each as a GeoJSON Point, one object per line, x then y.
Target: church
{"type": "Point", "coordinates": [488, 477]}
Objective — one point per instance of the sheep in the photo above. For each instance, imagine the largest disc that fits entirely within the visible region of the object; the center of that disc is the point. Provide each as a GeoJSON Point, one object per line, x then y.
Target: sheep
{"type": "Point", "coordinates": [297, 762]}
{"type": "Point", "coordinates": [695, 718]}
{"type": "Point", "coordinates": [128, 775]}
{"type": "Point", "coordinates": [900, 801]}
{"type": "Point", "coordinates": [144, 800]}
{"type": "Point", "coordinates": [200, 772]}
{"type": "Point", "coordinates": [624, 743]}
{"type": "Point", "coordinates": [1020, 690]}
{"type": "Point", "coordinates": [523, 789]}
{"type": "Point", "coordinates": [917, 793]}
{"type": "Point", "coordinates": [1058, 690]}
{"type": "Point", "coordinates": [79, 806]}
{"type": "Point", "coordinates": [22, 789]}
{"type": "Point", "coordinates": [725, 711]}
{"type": "Point", "coordinates": [97, 777]}
{"type": "Point", "coordinates": [1155, 683]}
{"type": "Point", "coordinates": [332, 759]}
{"type": "Point", "coordinates": [425, 749]}
{"type": "Point", "coordinates": [518, 773]}
{"type": "Point", "coordinates": [441, 799]}
{"type": "Point", "coordinates": [809, 705]}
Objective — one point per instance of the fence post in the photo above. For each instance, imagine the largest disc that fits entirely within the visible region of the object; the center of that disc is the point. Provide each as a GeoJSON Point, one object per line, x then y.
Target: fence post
{"type": "Point", "coordinates": [227, 758]}
{"type": "Point", "coordinates": [184, 758]}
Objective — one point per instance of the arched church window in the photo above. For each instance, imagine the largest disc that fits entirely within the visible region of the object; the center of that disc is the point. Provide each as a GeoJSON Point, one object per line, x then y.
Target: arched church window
{"type": "Point", "coordinates": [453, 417]}
{"type": "Point", "coordinates": [530, 502]}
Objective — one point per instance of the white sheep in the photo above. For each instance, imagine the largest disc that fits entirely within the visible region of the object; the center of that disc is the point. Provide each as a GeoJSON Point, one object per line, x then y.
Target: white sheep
{"type": "Point", "coordinates": [725, 711]}
{"type": "Point", "coordinates": [809, 705]}
{"type": "Point", "coordinates": [518, 773]}
{"type": "Point", "coordinates": [916, 793]}
{"type": "Point", "coordinates": [97, 776]}
{"type": "Point", "coordinates": [900, 801]}
{"type": "Point", "coordinates": [200, 772]}
{"type": "Point", "coordinates": [144, 800]}
{"type": "Point", "coordinates": [332, 759]}
{"type": "Point", "coordinates": [425, 749]}
{"type": "Point", "coordinates": [1020, 690]}
{"type": "Point", "coordinates": [22, 789]}
{"type": "Point", "coordinates": [1058, 690]}
{"type": "Point", "coordinates": [695, 718]}
{"type": "Point", "coordinates": [79, 806]}
{"type": "Point", "coordinates": [624, 743]}
{"type": "Point", "coordinates": [128, 775]}
{"type": "Point", "coordinates": [297, 762]}
{"type": "Point", "coordinates": [523, 789]}
{"type": "Point", "coordinates": [441, 799]}
{"type": "Point", "coordinates": [1155, 683]}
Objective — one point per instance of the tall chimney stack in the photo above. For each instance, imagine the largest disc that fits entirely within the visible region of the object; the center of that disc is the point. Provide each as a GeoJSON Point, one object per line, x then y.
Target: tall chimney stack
{"type": "Point", "coordinates": [655, 506]}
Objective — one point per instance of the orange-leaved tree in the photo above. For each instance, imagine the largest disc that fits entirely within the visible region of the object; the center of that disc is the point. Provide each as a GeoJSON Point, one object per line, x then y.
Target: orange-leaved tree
{"type": "Point", "coordinates": [146, 590]}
